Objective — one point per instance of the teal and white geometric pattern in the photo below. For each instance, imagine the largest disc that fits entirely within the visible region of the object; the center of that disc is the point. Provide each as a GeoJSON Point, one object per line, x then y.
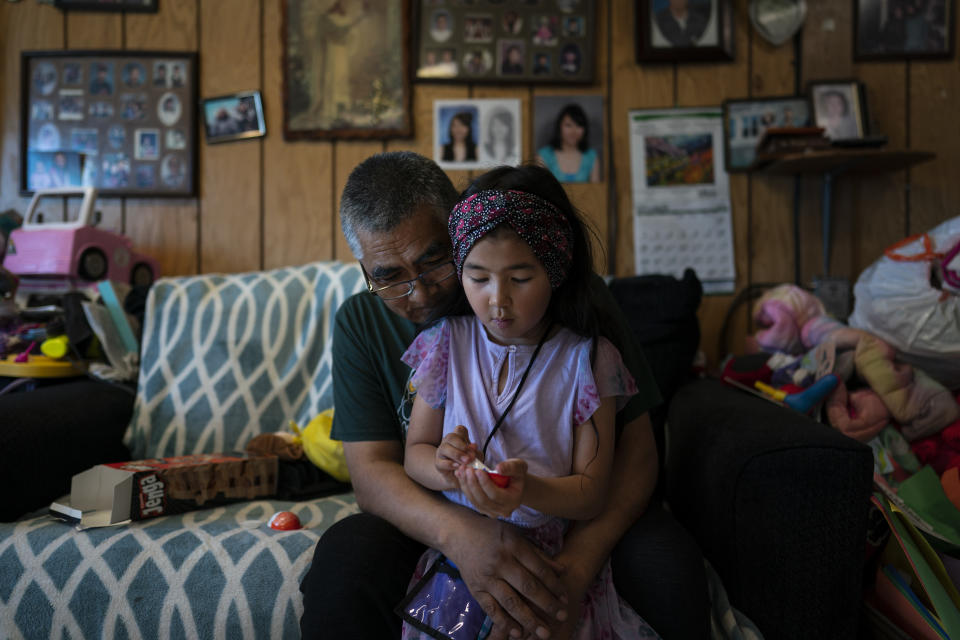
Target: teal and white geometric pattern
{"type": "Point", "coordinates": [214, 573]}
{"type": "Point", "coordinates": [224, 358]}
{"type": "Point", "coordinates": [227, 357]}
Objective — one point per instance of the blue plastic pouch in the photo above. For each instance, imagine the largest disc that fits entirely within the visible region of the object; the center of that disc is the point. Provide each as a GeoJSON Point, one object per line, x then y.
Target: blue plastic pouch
{"type": "Point", "coordinates": [441, 606]}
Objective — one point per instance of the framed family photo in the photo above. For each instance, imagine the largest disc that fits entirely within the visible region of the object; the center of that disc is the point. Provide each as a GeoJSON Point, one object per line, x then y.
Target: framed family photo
{"type": "Point", "coordinates": [745, 122]}
{"type": "Point", "coordinates": [234, 117]}
{"type": "Point", "coordinates": [684, 30]}
{"type": "Point", "coordinates": [127, 115]}
{"type": "Point", "coordinates": [345, 69]}
{"type": "Point", "coordinates": [495, 41]}
{"type": "Point", "coordinates": [840, 107]}
{"type": "Point", "coordinates": [905, 29]}
{"type": "Point", "coordinates": [145, 6]}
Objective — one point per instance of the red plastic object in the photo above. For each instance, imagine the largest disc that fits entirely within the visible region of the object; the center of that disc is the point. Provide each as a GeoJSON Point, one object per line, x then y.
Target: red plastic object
{"type": "Point", "coordinates": [499, 479]}
{"type": "Point", "coordinates": [285, 521]}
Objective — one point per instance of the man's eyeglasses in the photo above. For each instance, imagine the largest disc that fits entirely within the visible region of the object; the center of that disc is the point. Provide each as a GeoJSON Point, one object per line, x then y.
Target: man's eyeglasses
{"type": "Point", "coordinates": [430, 277]}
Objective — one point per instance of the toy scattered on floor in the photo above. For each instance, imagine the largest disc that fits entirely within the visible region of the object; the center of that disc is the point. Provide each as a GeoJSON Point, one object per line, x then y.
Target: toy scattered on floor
{"type": "Point", "coordinates": [285, 521]}
{"type": "Point", "coordinates": [51, 255]}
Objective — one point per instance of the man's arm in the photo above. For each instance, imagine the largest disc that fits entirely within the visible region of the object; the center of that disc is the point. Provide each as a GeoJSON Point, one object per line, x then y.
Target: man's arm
{"type": "Point", "coordinates": [496, 563]}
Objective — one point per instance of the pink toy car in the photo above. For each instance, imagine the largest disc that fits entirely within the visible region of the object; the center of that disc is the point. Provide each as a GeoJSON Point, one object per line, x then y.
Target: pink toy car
{"type": "Point", "coordinates": [75, 250]}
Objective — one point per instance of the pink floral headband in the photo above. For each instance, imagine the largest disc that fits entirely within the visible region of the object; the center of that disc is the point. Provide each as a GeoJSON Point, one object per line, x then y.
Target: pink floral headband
{"type": "Point", "coordinates": [539, 222]}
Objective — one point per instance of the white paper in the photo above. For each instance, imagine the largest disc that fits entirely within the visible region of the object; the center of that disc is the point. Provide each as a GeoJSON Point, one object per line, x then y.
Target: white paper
{"type": "Point", "coordinates": [681, 195]}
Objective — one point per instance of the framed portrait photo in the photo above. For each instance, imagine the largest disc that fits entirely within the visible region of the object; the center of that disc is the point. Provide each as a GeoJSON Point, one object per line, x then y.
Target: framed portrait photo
{"type": "Point", "coordinates": [233, 117]}
{"type": "Point", "coordinates": [505, 42]}
{"type": "Point", "coordinates": [568, 136]}
{"type": "Point", "coordinates": [840, 107]}
{"type": "Point", "coordinates": [345, 69]}
{"type": "Point", "coordinates": [745, 121]}
{"type": "Point", "coordinates": [128, 115]}
{"type": "Point", "coordinates": [145, 6]}
{"type": "Point", "coordinates": [903, 29]}
{"type": "Point", "coordinates": [477, 133]}
{"type": "Point", "coordinates": [684, 31]}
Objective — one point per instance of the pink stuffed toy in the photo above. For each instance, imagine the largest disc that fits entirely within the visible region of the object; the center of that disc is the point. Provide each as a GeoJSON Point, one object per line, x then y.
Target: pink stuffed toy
{"type": "Point", "coordinates": [859, 414]}
{"type": "Point", "coordinates": [780, 313]}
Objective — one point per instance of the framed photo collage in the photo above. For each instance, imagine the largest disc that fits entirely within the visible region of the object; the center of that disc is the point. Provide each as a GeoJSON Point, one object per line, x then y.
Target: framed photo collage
{"type": "Point", "coordinates": [124, 122]}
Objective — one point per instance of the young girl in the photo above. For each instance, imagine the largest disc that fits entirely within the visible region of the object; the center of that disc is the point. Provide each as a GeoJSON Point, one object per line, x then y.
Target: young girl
{"type": "Point", "coordinates": [526, 384]}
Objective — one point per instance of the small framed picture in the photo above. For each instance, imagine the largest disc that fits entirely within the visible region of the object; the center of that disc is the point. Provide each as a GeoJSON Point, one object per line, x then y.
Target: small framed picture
{"type": "Point", "coordinates": [745, 121]}
{"type": "Point", "coordinates": [694, 30]}
{"type": "Point", "coordinates": [903, 29]}
{"type": "Point", "coordinates": [840, 107]}
{"type": "Point", "coordinates": [234, 117]}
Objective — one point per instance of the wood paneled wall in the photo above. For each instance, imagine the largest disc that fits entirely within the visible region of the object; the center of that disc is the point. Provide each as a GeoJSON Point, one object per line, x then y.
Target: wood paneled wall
{"type": "Point", "coordinates": [267, 202]}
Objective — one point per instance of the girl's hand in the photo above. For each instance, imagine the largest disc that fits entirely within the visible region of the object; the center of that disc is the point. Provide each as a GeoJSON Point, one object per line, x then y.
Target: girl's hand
{"type": "Point", "coordinates": [455, 451]}
{"type": "Point", "coordinates": [488, 498]}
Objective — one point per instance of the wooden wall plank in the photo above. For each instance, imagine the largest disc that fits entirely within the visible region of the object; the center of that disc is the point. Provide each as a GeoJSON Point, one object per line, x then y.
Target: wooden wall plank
{"type": "Point", "coordinates": [827, 55]}
{"type": "Point", "coordinates": [90, 30]}
{"type": "Point", "coordinates": [230, 224]}
{"type": "Point", "coordinates": [347, 155]}
{"type": "Point", "coordinates": [27, 26]}
{"type": "Point", "coordinates": [297, 176]}
{"type": "Point", "coordinates": [165, 228]}
{"type": "Point", "coordinates": [934, 102]}
{"type": "Point", "coordinates": [708, 84]}
{"type": "Point", "coordinates": [880, 206]}
{"type": "Point", "coordinates": [632, 86]}
{"type": "Point", "coordinates": [769, 244]}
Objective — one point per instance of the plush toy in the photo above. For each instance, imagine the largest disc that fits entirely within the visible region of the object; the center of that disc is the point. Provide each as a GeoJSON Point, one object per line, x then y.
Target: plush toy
{"type": "Point", "coordinates": [312, 441]}
{"type": "Point", "coordinates": [780, 313]}
{"type": "Point", "coordinates": [859, 414]}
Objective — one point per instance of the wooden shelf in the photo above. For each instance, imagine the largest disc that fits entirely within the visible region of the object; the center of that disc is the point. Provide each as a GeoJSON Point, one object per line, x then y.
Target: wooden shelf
{"type": "Point", "coordinates": [844, 160]}
{"type": "Point", "coordinates": [833, 162]}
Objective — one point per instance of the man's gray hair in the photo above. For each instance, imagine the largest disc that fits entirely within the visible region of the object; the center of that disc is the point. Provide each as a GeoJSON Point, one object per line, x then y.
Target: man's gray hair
{"type": "Point", "coordinates": [388, 188]}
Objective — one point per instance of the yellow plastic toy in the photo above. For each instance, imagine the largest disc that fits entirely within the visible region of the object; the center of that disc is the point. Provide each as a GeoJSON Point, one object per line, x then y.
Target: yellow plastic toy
{"type": "Point", "coordinates": [321, 450]}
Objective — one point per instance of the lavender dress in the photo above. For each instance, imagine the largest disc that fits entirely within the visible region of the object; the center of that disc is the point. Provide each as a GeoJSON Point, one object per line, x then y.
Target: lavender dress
{"type": "Point", "coordinates": [458, 367]}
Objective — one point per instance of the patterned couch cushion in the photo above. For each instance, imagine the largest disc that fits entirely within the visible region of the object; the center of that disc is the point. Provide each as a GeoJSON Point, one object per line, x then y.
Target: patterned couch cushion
{"type": "Point", "coordinates": [226, 357]}
{"type": "Point", "coordinates": [214, 573]}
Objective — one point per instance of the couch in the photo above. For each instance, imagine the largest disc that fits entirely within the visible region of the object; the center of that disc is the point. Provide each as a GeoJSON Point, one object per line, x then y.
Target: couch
{"type": "Point", "coordinates": [777, 501]}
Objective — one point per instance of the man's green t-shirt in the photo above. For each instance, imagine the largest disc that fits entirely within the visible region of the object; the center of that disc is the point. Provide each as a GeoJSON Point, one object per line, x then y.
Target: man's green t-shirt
{"type": "Point", "coordinates": [372, 397]}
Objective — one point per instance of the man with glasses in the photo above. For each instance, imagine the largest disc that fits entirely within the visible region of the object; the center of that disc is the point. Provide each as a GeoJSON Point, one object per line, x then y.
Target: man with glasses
{"type": "Point", "coordinates": [394, 210]}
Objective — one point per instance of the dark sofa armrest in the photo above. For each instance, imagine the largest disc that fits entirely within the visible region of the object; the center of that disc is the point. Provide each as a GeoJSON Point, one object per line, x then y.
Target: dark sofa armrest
{"type": "Point", "coordinates": [49, 434]}
{"type": "Point", "coordinates": [778, 503]}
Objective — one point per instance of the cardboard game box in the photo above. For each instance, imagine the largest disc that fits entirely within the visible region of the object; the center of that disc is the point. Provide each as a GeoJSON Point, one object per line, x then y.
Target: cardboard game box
{"type": "Point", "coordinates": [112, 493]}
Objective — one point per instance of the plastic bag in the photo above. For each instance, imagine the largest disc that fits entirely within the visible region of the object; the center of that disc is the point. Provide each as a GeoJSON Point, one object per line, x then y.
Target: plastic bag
{"type": "Point", "coordinates": [896, 300]}
{"type": "Point", "coordinates": [441, 606]}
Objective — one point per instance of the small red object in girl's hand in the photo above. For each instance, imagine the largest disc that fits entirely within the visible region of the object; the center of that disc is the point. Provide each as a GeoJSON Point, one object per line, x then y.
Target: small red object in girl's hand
{"type": "Point", "coordinates": [285, 521]}
{"type": "Point", "coordinates": [498, 479]}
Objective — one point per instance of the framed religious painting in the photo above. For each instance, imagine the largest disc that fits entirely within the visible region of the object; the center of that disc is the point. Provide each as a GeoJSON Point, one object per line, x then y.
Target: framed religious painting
{"type": "Point", "coordinates": [345, 69]}
{"type": "Point", "coordinates": [684, 30]}
{"type": "Point", "coordinates": [542, 41]}
{"type": "Point", "coordinates": [129, 116]}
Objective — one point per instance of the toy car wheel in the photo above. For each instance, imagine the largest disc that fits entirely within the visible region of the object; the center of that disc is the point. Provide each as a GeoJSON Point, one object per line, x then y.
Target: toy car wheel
{"type": "Point", "coordinates": [93, 265]}
{"type": "Point", "coordinates": [141, 275]}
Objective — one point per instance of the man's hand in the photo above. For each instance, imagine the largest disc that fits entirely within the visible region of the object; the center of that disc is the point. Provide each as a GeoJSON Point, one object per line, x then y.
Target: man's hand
{"type": "Point", "coordinates": [517, 585]}
{"type": "Point", "coordinates": [485, 496]}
